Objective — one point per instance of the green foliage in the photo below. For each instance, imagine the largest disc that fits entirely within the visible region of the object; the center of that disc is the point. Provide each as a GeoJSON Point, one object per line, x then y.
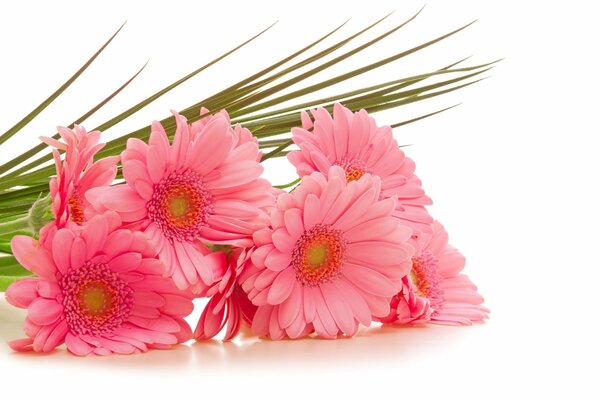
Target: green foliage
{"type": "Point", "coordinates": [256, 101]}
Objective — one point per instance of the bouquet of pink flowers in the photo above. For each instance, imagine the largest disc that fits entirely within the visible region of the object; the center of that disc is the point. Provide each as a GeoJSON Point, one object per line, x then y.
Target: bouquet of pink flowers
{"type": "Point", "coordinates": [107, 248]}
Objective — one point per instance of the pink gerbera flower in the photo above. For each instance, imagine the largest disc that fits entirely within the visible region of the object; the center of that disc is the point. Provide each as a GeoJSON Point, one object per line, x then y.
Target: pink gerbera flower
{"type": "Point", "coordinates": [435, 291]}
{"type": "Point", "coordinates": [77, 173]}
{"type": "Point", "coordinates": [354, 142]}
{"type": "Point", "coordinates": [333, 259]}
{"type": "Point", "coordinates": [204, 187]}
{"type": "Point", "coordinates": [229, 304]}
{"type": "Point", "coordinates": [99, 290]}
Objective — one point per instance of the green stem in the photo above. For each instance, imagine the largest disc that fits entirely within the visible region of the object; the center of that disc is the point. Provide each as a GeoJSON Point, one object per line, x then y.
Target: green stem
{"type": "Point", "coordinates": [15, 225]}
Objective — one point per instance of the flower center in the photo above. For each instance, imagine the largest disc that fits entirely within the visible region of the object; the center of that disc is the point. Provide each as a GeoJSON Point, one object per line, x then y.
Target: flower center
{"type": "Point", "coordinates": [426, 278]}
{"type": "Point", "coordinates": [318, 255]}
{"type": "Point", "coordinates": [180, 205]}
{"type": "Point", "coordinates": [76, 210]}
{"type": "Point", "coordinates": [95, 299]}
{"type": "Point", "coordinates": [354, 167]}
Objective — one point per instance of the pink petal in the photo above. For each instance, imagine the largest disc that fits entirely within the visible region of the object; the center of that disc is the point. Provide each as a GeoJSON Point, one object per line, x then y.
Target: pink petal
{"type": "Point", "coordinates": [77, 346]}
{"type": "Point", "coordinates": [115, 346]}
{"type": "Point", "coordinates": [118, 242]}
{"type": "Point", "coordinates": [122, 198]}
{"type": "Point", "coordinates": [291, 308]}
{"type": "Point", "coordinates": [323, 319]}
{"type": "Point", "coordinates": [283, 241]}
{"type": "Point", "coordinates": [185, 262]}
{"type": "Point", "coordinates": [311, 211]}
{"type": "Point", "coordinates": [339, 309]}
{"type": "Point", "coordinates": [134, 170]}
{"type": "Point", "coordinates": [181, 141]}
{"type": "Point", "coordinates": [379, 253]}
{"type": "Point", "coordinates": [94, 234]}
{"type": "Point", "coordinates": [44, 311]}
{"type": "Point", "coordinates": [177, 306]}
{"type": "Point", "coordinates": [56, 337]}
{"type": "Point", "coordinates": [379, 305]}
{"type": "Point", "coordinates": [22, 292]}
{"type": "Point", "coordinates": [149, 299]}
{"type": "Point", "coordinates": [78, 252]}
{"type": "Point", "coordinates": [369, 280]}
{"type": "Point", "coordinates": [293, 222]}
{"type": "Point", "coordinates": [236, 174]}
{"type": "Point", "coordinates": [47, 289]}
{"type": "Point", "coordinates": [282, 287]}
{"type": "Point", "coordinates": [21, 345]}
{"type": "Point", "coordinates": [61, 249]}
{"type": "Point", "coordinates": [361, 206]}
{"type": "Point", "coordinates": [33, 257]}
{"type": "Point", "coordinates": [163, 324]}
{"type": "Point", "coordinates": [310, 306]}
{"type": "Point", "coordinates": [211, 147]}
{"type": "Point", "coordinates": [277, 261]}
{"type": "Point", "coordinates": [360, 308]}
{"type": "Point", "coordinates": [210, 323]}
{"type": "Point", "coordinates": [372, 230]}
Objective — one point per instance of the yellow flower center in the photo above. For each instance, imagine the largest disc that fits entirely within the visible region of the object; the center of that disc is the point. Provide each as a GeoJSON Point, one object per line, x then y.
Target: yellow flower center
{"type": "Point", "coordinates": [95, 298]}
{"type": "Point", "coordinates": [180, 206]}
{"type": "Point", "coordinates": [318, 254]}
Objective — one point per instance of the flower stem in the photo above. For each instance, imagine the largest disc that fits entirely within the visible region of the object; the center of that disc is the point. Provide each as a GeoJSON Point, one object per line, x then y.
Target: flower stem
{"type": "Point", "coordinates": [13, 226]}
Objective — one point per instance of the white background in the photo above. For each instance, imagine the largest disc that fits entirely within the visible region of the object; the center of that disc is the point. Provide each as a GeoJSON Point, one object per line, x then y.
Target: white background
{"type": "Point", "coordinates": [513, 173]}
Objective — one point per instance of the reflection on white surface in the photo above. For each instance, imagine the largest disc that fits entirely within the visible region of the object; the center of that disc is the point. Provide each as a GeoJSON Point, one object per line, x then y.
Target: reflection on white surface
{"type": "Point", "coordinates": [371, 344]}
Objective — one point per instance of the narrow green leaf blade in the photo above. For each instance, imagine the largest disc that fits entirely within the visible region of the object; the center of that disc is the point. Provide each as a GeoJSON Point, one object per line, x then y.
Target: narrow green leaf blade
{"type": "Point", "coordinates": [23, 122]}
{"type": "Point", "coordinates": [28, 154]}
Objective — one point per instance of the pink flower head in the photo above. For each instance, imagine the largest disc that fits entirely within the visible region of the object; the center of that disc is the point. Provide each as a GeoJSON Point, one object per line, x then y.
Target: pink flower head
{"type": "Point", "coordinates": [333, 259]}
{"type": "Point", "coordinates": [228, 305]}
{"type": "Point", "coordinates": [354, 142]}
{"type": "Point", "coordinates": [204, 187]}
{"type": "Point", "coordinates": [77, 173]}
{"type": "Point", "coordinates": [435, 291]}
{"type": "Point", "coordinates": [99, 290]}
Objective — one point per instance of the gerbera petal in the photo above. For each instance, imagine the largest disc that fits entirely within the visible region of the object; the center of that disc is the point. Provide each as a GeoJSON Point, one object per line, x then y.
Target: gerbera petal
{"type": "Point", "coordinates": [44, 311]}
{"type": "Point", "coordinates": [290, 308]}
{"type": "Point", "coordinates": [282, 287]}
{"type": "Point", "coordinates": [282, 240]}
{"type": "Point", "coordinates": [369, 280]}
{"type": "Point", "coordinates": [277, 261]}
{"type": "Point", "coordinates": [123, 198]}
{"type": "Point", "coordinates": [340, 311]}
{"type": "Point", "coordinates": [33, 257]}
{"type": "Point", "coordinates": [22, 292]}
{"type": "Point", "coordinates": [61, 249]}
{"type": "Point", "coordinates": [185, 262]}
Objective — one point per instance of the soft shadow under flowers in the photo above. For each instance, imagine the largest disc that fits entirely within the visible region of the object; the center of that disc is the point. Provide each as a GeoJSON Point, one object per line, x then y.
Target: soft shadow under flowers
{"type": "Point", "coordinates": [374, 344]}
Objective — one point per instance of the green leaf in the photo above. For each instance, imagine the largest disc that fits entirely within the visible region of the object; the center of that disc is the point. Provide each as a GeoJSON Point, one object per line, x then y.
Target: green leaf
{"type": "Point", "coordinates": [254, 98]}
{"type": "Point", "coordinates": [349, 98]}
{"type": "Point", "coordinates": [340, 78]}
{"type": "Point", "coordinates": [290, 184]}
{"type": "Point", "coordinates": [5, 247]}
{"type": "Point", "coordinates": [23, 122]}
{"type": "Point", "coordinates": [5, 281]}
{"type": "Point", "coordinates": [277, 150]}
{"type": "Point", "coordinates": [339, 97]}
{"type": "Point", "coordinates": [225, 97]}
{"type": "Point", "coordinates": [6, 261]}
{"type": "Point", "coordinates": [28, 154]}
{"type": "Point", "coordinates": [228, 93]}
{"type": "Point", "coordinates": [160, 93]}
{"type": "Point", "coordinates": [124, 115]}
{"type": "Point", "coordinates": [249, 96]}
{"type": "Point", "coordinates": [423, 116]}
